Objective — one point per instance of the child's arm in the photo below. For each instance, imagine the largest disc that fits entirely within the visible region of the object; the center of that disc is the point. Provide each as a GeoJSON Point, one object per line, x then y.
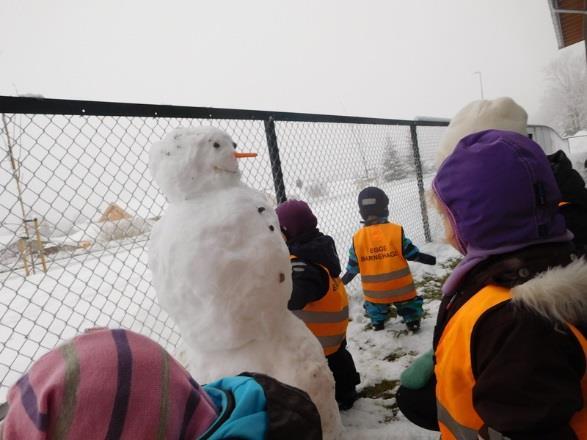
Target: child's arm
{"type": "Point", "coordinates": [412, 253]}
{"type": "Point", "coordinates": [352, 268]}
{"type": "Point", "coordinates": [310, 283]}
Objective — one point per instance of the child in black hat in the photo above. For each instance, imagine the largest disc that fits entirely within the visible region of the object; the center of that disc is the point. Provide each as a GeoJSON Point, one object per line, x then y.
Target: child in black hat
{"type": "Point", "coordinates": [379, 253]}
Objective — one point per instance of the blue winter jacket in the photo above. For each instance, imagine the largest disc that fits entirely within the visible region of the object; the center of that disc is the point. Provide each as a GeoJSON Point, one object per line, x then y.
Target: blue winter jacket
{"type": "Point", "coordinates": [254, 406]}
{"type": "Point", "coordinates": [241, 402]}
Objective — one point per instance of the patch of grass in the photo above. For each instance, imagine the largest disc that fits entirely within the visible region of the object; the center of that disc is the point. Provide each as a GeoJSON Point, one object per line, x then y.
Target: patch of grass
{"type": "Point", "coordinates": [394, 356]}
{"type": "Point", "coordinates": [429, 286]}
{"type": "Point", "coordinates": [382, 390]}
{"type": "Point", "coordinates": [451, 263]}
{"type": "Point", "coordinates": [393, 409]}
{"type": "Point", "coordinates": [391, 417]}
{"type": "Point", "coordinates": [398, 333]}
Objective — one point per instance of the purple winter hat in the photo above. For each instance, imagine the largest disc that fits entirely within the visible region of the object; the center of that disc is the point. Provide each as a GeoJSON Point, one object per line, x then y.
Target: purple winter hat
{"type": "Point", "coordinates": [500, 191]}
{"type": "Point", "coordinates": [500, 194]}
{"type": "Point", "coordinates": [295, 218]}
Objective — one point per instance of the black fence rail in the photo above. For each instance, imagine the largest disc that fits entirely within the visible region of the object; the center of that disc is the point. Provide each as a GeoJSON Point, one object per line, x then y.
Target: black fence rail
{"type": "Point", "coordinates": [78, 203]}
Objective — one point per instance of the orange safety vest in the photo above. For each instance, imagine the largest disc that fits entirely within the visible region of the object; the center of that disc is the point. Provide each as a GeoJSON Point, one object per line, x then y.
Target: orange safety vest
{"type": "Point", "coordinates": [385, 274]}
{"type": "Point", "coordinates": [457, 417]}
{"type": "Point", "coordinates": [328, 317]}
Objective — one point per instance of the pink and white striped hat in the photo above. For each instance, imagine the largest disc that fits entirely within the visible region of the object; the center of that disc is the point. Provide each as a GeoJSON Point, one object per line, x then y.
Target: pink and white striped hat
{"type": "Point", "coordinates": [113, 384]}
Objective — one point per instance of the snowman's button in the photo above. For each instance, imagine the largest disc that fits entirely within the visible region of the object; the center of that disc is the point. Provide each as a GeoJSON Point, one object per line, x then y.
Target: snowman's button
{"type": "Point", "coordinates": [271, 228]}
{"type": "Point", "coordinates": [260, 209]}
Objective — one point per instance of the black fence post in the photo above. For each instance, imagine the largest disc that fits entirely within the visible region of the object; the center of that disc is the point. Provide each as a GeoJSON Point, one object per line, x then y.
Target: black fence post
{"type": "Point", "coordinates": [275, 160]}
{"type": "Point", "coordinates": [420, 175]}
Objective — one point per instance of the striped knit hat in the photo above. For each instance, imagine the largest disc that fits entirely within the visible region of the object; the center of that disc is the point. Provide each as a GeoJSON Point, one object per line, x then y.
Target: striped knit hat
{"type": "Point", "coordinates": [112, 384]}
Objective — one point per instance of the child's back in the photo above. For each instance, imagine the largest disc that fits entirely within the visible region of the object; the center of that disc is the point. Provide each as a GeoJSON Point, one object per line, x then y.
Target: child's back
{"type": "Point", "coordinates": [315, 261]}
{"type": "Point", "coordinates": [574, 194]}
{"type": "Point", "coordinates": [318, 295]}
{"type": "Point", "coordinates": [379, 253]}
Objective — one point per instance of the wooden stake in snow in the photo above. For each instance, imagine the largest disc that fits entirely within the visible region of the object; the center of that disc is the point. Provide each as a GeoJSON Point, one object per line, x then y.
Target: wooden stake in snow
{"type": "Point", "coordinates": [40, 248]}
{"type": "Point", "coordinates": [22, 247]}
{"type": "Point", "coordinates": [22, 244]}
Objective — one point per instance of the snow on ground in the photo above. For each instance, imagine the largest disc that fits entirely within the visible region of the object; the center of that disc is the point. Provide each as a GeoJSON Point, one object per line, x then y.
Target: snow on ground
{"type": "Point", "coordinates": [380, 357]}
{"type": "Point", "coordinates": [110, 288]}
{"type": "Point", "coordinates": [113, 288]}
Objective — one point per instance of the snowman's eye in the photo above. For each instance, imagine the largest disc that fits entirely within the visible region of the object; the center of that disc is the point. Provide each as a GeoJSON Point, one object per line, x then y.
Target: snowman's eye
{"type": "Point", "coordinates": [234, 145]}
{"type": "Point", "coordinates": [216, 145]}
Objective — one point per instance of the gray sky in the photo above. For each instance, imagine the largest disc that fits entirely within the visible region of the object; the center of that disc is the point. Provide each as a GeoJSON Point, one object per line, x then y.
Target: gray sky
{"type": "Point", "coordinates": [386, 58]}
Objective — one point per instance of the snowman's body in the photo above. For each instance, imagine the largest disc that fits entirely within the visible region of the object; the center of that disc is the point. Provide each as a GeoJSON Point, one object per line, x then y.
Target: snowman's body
{"type": "Point", "coordinates": [221, 270]}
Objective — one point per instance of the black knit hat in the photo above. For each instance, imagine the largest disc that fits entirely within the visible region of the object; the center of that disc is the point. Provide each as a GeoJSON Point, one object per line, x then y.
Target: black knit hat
{"type": "Point", "coordinates": [373, 203]}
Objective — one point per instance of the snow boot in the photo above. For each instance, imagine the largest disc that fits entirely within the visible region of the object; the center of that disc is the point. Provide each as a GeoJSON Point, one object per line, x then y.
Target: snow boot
{"type": "Point", "coordinates": [347, 401]}
{"type": "Point", "coordinates": [378, 326]}
{"type": "Point", "coordinates": [413, 326]}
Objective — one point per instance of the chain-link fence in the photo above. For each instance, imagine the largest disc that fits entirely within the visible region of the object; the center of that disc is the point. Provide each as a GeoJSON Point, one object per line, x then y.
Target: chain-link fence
{"type": "Point", "coordinates": [78, 203]}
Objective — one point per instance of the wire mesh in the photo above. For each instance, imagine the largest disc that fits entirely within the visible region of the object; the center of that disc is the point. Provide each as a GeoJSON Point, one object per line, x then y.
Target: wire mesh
{"type": "Point", "coordinates": [328, 164]}
{"type": "Point", "coordinates": [78, 204]}
{"type": "Point", "coordinates": [428, 138]}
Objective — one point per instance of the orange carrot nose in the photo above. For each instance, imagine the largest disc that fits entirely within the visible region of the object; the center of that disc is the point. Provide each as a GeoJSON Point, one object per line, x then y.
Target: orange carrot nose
{"type": "Point", "coordinates": [241, 155]}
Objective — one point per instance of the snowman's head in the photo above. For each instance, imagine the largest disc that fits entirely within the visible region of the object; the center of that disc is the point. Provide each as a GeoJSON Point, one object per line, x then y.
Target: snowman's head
{"type": "Point", "coordinates": [189, 161]}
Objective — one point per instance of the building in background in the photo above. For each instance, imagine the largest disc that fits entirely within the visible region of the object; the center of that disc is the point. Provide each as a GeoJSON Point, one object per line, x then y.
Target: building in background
{"type": "Point", "coordinates": [570, 21]}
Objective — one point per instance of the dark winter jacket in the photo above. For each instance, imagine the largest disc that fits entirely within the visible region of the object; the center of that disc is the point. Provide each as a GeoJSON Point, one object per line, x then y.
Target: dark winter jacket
{"type": "Point", "coordinates": [527, 364]}
{"type": "Point", "coordinates": [310, 281]}
{"type": "Point", "coordinates": [574, 196]}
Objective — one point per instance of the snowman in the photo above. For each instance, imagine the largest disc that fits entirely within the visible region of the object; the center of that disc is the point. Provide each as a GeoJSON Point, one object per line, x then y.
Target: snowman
{"type": "Point", "coordinates": [221, 270]}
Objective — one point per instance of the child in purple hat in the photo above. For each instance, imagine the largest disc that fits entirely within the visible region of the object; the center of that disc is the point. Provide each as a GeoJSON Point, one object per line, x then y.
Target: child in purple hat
{"type": "Point", "coordinates": [510, 342]}
{"type": "Point", "coordinates": [319, 297]}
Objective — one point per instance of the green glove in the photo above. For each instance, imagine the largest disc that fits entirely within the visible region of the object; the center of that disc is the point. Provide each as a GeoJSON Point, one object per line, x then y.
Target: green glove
{"type": "Point", "coordinates": [418, 374]}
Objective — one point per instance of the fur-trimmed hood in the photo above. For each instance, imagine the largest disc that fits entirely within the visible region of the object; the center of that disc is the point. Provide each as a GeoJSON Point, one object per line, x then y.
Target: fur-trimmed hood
{"type": "Point", "coordinates": [559, 294]}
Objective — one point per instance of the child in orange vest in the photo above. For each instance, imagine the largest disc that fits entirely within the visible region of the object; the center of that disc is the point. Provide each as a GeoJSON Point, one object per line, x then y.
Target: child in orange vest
{"type": "Point", "coordinates": [379, 253]}
{"type": "Point", "coordinates": [319, 297]}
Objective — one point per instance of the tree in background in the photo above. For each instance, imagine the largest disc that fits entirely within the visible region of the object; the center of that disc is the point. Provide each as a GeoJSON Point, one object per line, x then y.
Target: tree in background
{"type": "Point", "coordinates": [316, 190]}
{"type": "Point", "coordinates": [564, 105]}
{"type": "Point", "coordinates": [395, 167]}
